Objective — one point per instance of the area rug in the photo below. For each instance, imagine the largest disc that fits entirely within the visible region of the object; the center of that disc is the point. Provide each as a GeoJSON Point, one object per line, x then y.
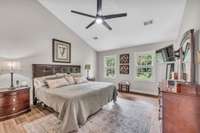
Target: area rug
{"type": "Point", "coordinates": [122, 117]}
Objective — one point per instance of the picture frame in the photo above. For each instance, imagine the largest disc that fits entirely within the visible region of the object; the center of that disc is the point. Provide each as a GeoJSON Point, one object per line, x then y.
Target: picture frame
{"type": "Point", "coordinates": [124, 63]}
{"type": "Point", "coordinates": [124, 69]}
{"type": "Point", "coordinates": [61, 51]}
{"type": "Point", "coordinates": [124, 59]}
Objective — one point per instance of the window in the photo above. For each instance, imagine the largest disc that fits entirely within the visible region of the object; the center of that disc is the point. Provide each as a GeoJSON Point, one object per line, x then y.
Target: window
{"type": "Point", "coordinates": [109, 66]}
{"type": "Point", "coordinates": [144, 66]}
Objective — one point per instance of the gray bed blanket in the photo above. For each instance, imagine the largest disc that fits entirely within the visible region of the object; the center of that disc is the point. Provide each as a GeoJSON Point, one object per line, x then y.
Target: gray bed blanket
{"type": "Point", "coordinates": [76, 103]}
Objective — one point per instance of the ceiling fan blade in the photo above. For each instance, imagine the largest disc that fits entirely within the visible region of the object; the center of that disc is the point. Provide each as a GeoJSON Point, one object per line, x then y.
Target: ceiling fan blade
{"type": "Point", "coordinates": [107, 25]}
{"type": "Point", "coordinates": [84, 14]}
{"type": "Point", "coordinates": [99, 7]}
{"type": "Point", "coordinates": [115, 15]}
{"type": "Point", "coordinates": [92, 23]}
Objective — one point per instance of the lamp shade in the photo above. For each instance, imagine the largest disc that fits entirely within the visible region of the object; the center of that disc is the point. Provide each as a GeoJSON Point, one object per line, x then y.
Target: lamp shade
{"type": "Point", "coordinates": [11, 66]}
{"type": "Point", "coordinates": [87, 66]}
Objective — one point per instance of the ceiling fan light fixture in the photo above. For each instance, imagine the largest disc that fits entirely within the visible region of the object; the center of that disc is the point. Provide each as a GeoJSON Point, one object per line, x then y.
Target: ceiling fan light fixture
{"type": "Point", "coordinates": [99, 20]}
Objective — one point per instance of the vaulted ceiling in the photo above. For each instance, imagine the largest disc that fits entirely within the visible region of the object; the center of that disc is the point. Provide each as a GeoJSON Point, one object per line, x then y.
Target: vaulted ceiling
{"type": "Point", "coordinates": [128, 31]}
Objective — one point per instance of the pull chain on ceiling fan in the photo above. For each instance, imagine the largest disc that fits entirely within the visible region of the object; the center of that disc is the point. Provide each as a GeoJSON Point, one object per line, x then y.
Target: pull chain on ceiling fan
{"type": "Point", "coordinates": [99, 18]}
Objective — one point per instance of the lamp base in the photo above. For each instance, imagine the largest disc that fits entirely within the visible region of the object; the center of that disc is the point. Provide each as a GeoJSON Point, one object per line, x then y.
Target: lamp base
{"type": "Point", "coordinates": [11, 80]}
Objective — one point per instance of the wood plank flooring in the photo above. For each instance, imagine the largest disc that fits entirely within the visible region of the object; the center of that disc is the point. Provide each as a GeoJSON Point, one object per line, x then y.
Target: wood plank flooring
{"type": "Point", "coordinates": [15, 125]}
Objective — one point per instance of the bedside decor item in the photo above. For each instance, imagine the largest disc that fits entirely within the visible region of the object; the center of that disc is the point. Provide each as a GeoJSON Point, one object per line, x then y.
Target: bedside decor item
{"type": "Point", "coordinates": [14, 102]}
{"type": "Point", "coordinates": [61, 51]}
{"type": "Point", "coordinates": [124, 64]}
{"type": "Point", "coordinates": [12, 66]}
{"type": "Point", "coordinates": [87, 68]}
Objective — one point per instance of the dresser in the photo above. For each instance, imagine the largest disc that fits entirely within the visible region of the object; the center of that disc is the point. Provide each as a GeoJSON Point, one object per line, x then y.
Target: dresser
{"type": "Point", "coordinates": [179, 108]}
{"type": "Point", "coordinates": [14, 102]}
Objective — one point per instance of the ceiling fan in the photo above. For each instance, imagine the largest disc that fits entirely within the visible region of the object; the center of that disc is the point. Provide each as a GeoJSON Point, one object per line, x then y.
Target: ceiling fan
{"type": "Point", "coordinates": [99, 18]}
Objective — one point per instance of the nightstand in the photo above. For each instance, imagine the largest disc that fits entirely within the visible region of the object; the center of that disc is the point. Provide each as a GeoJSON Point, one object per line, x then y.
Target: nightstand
{"type": "Point", "coordinates": [14, 102]}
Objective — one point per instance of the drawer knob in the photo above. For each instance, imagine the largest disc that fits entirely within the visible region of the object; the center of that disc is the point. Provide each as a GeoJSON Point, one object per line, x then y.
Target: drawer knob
{"type": "Point", "coordinates": [14, 99]}
{"type": "Point", "coordinates": [13, 109]}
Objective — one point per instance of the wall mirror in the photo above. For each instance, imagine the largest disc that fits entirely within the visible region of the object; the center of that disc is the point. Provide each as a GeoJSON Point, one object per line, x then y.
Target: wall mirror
{"type": "Point", "coordinates": [187, 70]}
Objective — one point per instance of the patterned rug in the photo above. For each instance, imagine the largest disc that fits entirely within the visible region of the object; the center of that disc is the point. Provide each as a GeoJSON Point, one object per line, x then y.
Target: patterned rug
{"type": "Point", "coordinates": [123, 117]}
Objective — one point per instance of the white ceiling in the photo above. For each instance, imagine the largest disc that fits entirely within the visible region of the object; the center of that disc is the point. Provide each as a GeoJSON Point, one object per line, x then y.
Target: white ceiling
{"type": "Point", "coordinates": [127, 31]}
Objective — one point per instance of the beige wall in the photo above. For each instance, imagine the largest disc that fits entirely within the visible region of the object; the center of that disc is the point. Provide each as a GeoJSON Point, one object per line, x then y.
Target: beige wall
{"type": "Point", "coordinates": [26, 32]}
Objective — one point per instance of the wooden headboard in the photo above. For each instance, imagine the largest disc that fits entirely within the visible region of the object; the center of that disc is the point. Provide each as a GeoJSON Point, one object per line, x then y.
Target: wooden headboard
{"type": "Point", "coordinates": [40, 70]}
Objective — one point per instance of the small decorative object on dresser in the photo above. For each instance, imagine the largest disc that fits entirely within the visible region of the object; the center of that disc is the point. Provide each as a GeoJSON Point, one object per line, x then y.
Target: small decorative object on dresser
{"type": "Point", "coordinates": [61, 51]}
{"type": "Point", "coordinates": [124, 86]}
{"type": "Point", "coordinates": [14, 102]}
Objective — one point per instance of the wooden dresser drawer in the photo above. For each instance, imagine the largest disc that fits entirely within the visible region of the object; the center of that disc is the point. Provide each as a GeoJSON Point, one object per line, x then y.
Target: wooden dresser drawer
{"type": "Point", "coordinates": [14, 102]}
{"type": "Point", "coordinates": [13, 109]}
{"type": "Point", "coordinates": [14, 99]}
{"type": "Point", "coordinates": [13, 92]}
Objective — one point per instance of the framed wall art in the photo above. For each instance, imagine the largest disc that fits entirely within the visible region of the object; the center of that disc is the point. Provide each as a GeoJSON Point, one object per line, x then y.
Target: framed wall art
{"type": "Point", "coordinates": [124, 69]}
{"type": "Point", "coordinates": [124, 59]}
{"type": "Point", "coordinates": [124, 64]}
{"type": "Point", "coordinates": [61, 51]}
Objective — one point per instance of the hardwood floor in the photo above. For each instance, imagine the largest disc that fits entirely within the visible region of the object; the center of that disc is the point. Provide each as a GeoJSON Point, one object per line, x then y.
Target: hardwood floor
{"type": "Point", "coordinates": [15, 125]}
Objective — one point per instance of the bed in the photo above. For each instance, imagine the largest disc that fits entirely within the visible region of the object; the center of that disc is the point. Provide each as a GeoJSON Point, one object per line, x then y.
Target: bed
{"type": "Point", "coordinates": [74, 103]}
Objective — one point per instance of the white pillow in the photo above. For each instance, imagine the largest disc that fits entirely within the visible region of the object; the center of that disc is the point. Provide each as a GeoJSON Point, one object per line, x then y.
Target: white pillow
{"type": "Point", "coordinates": [79, 80]}
{"type": "Point", "coordinates": [56, 83]}
{"type": "Point", "coordinates": [40, 82]}
{"type": "Point", "coordinates": [70, 79]}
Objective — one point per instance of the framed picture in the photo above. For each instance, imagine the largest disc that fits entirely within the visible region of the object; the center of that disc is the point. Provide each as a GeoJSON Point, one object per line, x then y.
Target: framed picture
{"type": "Point", "coordinates": [124, 69]}
{"type": "Point", "coordinates": [124, 59]}
{"type": "Point", "coordinates": [61, 51]}
{"type": "Point", "coordinates": [124, 64]}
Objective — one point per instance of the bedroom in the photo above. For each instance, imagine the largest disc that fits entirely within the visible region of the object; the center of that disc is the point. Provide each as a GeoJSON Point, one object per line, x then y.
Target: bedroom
{"type": "Point", "coordinates": [29, 29]}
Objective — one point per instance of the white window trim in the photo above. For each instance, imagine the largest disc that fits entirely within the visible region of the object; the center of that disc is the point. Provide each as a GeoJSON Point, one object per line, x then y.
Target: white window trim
{"type": "Point", "coordinates": [115, 67]}
{"type": "Point", "coordinates": [153, 65]}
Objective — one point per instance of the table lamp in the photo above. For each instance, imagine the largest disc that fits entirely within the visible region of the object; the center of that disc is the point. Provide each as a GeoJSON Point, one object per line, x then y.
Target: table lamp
{"type": "Point", "coordinates": [12, 66]}
{"type": "Point", "coordinates": [87, 67]}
